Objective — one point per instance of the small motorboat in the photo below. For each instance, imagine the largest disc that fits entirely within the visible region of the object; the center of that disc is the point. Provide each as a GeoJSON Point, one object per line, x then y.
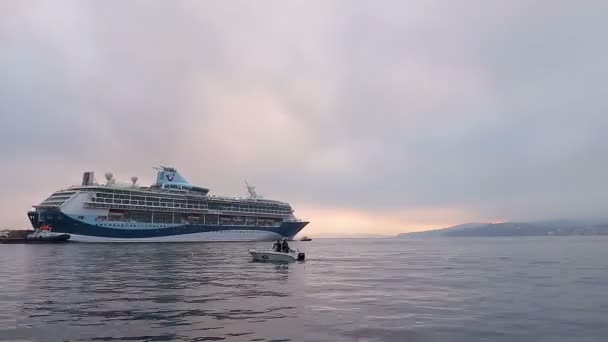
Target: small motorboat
{"type": "Point", "coordinates": [305, 238]}
{"type": "Point", "coordinates": [271, 255]}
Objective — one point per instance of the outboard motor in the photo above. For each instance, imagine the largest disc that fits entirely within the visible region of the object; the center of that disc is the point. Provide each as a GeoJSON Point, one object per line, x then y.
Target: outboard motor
{"type": "Point", "coordinates": [301, 256]}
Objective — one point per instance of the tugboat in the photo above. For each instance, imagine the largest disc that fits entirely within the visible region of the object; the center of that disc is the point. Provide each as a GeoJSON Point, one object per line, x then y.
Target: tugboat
{"type": "Point", "coordinates": [44, 235]}
{"type": "Point", "coordinates": [41, 235]}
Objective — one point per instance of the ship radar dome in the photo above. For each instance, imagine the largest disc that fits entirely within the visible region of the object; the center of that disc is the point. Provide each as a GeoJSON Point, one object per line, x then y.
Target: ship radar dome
{"type": "Point", "coordinates": [134, 180]}
{"type": "Point", "coordinates": [109, 176]}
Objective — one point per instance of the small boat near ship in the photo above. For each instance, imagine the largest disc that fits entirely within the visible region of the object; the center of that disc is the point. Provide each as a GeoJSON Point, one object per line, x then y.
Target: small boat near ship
{"type": "Point", "coordinates": [41, 235]}
{"type": "Point", "coordinates": [305, 238]}
{"type": "Point", "coordinates": [270, 255]}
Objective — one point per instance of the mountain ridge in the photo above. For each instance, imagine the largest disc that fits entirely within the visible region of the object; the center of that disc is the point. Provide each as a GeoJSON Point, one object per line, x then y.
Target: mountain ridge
{"type": "Point", "coordinates": [505, 229]}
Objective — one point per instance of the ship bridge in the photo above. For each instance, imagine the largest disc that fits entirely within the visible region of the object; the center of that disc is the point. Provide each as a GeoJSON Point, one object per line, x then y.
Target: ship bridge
{"type": "Point", "coordinates": [168, 178]}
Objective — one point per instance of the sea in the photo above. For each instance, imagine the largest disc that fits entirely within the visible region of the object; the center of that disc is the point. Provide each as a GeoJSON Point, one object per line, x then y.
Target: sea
{"type": "Point", "coordinates": [442, 289]}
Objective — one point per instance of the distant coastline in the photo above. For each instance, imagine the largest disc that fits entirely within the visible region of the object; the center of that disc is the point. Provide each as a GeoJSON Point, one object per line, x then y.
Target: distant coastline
{"type": "Point", "coordinates": [514, 229]}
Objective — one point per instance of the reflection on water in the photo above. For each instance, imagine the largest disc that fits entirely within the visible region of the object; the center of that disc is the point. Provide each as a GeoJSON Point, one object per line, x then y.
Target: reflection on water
{"type": "Point", "coordinates": [350, 290]}
{"type": "Point", "coordinates": [144, 291]}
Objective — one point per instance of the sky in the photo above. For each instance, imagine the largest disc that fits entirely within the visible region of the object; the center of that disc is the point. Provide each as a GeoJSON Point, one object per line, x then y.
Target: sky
{"type": "Point", "coordinates": [369, 117]}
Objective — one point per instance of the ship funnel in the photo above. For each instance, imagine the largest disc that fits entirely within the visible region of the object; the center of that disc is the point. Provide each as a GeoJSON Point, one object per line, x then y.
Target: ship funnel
{"type": "Point", "coordinates": [168, 175]}
{"type": "Point", "coordinates": [88, 178]}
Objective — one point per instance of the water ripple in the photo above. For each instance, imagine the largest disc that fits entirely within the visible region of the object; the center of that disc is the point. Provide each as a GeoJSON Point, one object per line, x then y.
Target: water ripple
{"type": "Point", "coordinates": [348, 290]}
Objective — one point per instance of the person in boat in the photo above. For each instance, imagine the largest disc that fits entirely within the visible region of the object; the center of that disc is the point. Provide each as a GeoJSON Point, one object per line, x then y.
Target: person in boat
{"type": "Point", "coordinates": [277, 246]}
{"type": "Point", "coordinates": [285, 246]}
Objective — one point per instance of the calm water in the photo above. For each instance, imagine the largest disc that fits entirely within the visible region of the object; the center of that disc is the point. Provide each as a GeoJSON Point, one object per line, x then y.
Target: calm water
{"type": "Point", "coordinates": [524, 289]}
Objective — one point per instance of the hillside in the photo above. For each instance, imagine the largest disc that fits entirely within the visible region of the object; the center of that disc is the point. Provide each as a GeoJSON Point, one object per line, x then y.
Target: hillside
{"type": "Point", "coordinates": [442, 231]}
{"type": "Point", "coordinates": [554, 228]}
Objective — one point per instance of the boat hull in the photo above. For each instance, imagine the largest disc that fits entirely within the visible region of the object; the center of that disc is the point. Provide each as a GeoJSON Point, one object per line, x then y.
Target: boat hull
{"type": "Point", "coordinates": [271, 256]}
{"type": "Point", "coordinates": [86, 232]}
{"type": "Point", "coordinates": [50, 238]}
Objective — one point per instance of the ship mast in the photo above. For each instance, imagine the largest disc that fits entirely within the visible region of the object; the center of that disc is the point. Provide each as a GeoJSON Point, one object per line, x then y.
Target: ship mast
{"type": "Point", "coordinates": [251, 191]}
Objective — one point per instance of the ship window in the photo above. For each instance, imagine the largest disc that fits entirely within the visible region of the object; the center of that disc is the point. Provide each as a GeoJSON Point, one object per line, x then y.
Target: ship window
{"type": "Point", "coordinates": [163, 217]}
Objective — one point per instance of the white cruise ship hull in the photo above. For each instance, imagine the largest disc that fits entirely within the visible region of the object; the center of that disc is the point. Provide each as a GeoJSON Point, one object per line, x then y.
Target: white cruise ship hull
{"type": "Point", "coordinates": [83, 231]}
{"type": "Point", "coordinates": [221, 236]}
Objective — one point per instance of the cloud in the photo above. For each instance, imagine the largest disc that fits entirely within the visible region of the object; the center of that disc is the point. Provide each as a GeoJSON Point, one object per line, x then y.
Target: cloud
{"type": "Point", "coordinates": [481, 109]}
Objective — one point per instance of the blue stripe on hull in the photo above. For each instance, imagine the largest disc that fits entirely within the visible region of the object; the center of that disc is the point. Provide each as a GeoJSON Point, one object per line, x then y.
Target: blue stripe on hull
{"type": "Point", "coordinates": [66, 224]}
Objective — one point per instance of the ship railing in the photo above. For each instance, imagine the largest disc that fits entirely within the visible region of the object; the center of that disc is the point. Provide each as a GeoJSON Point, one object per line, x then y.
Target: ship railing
{"type": "Point", "coordinates": [159, 202]}
{"type": "Point", "coordinates": [170, 205]}
{"type": "Point", "coordinates": [181, 208]}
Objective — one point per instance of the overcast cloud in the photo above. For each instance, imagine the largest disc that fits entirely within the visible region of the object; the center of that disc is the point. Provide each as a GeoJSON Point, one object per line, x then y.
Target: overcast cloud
{"type": "Point", "coordinates": [374, 116]}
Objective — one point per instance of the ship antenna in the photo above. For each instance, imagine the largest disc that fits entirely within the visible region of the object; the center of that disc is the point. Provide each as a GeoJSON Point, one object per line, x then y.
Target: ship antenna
{"type": "Point", "coordinates": [251, 190]}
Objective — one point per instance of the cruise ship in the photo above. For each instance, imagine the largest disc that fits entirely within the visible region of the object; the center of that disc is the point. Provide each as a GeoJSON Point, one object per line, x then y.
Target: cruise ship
{"type": "Point", "coordinates": [171, 210]}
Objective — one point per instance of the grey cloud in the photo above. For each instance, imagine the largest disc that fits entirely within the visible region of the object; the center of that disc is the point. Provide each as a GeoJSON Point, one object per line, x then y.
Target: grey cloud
{"type": "Point", "coordinates": [496, 107]}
